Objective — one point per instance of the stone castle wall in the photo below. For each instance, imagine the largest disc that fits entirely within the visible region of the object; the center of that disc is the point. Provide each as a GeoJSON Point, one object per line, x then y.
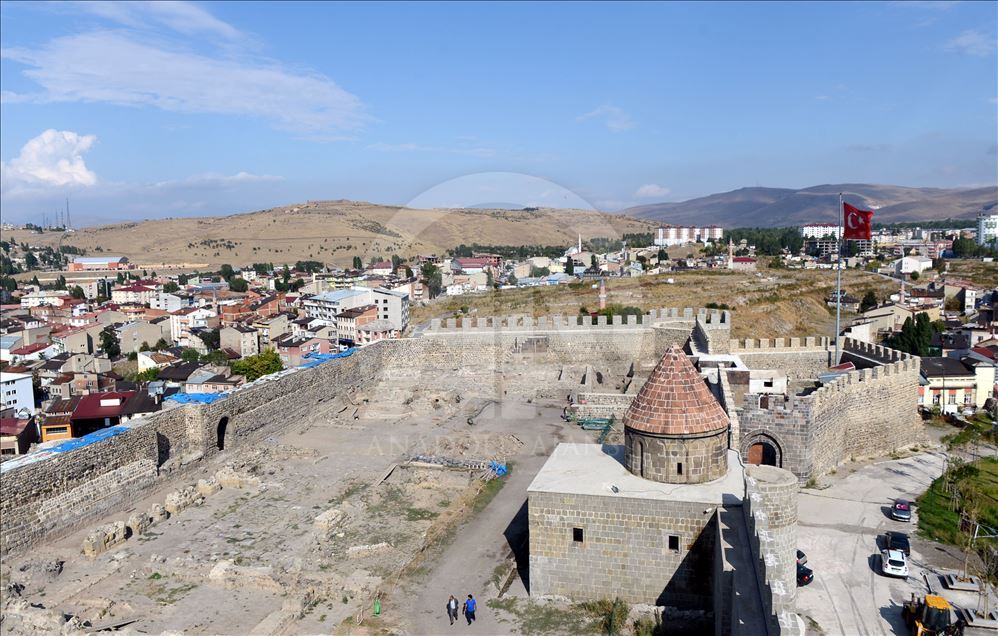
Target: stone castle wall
{"type": "Point", "coordinates": [61, 492]}
{"type": "Point", "coordinates": [624, 549]}
{"type": "Point", "coordinates": [800, 358]}
{"type": "Point", "coordinates": [770, 509]}
{"type": "Point", "coordinates": [862, 413]}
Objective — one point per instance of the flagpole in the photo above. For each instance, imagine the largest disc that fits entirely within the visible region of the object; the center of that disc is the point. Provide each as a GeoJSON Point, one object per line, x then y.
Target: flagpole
{"type": "Point", "coordinates": [838, 282]}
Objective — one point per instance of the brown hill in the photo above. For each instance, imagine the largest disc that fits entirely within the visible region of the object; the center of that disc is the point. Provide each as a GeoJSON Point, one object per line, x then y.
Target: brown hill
{"type": "Point", "coordinates": [335, 232]}
{"type": "Point", "coordinates": [780, 207]}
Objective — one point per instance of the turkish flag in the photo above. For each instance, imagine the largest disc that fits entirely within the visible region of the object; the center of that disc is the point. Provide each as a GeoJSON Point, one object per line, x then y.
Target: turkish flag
{"type": "Point", "coordinates": [858, 223]}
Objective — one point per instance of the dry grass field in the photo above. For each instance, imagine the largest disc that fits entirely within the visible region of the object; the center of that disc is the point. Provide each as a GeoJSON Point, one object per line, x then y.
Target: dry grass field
{"type": "Point", "coordinates": [332, 232]}
{"type": "Point", "coordinates": [770, 303]}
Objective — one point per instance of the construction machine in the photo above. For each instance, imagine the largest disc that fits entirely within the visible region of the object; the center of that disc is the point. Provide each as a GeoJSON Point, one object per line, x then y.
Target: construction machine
{"type": "Point", "coordinates": [930, 616]}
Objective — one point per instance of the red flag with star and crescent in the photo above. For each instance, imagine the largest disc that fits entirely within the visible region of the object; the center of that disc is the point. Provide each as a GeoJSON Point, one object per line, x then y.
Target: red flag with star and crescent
{"type": "Point", "coordinates": [858, 223]}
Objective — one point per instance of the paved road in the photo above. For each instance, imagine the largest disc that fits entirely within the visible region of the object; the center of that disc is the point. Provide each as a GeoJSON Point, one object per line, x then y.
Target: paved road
{"type": "Point", "coordinates": [838, 530]}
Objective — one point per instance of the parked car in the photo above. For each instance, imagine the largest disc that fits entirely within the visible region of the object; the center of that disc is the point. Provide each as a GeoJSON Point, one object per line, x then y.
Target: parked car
{"type": "Point", "coordinates": [894, 563]}
{"type": "Point", "coordinates": [801, 558]}
{"type": "Point", "coordinates": [804, 575]}
{"type": "Point", "coordinates": [897, 541]}
{"type": "Point", "coordinates": [901, 510]}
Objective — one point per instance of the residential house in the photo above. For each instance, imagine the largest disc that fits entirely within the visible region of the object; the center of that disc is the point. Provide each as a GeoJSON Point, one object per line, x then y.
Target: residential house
{"type": "Point", "coordinates": [99, 410]}
{"type": "Point", "coordinates": [212, 379]}
{"type": "Point", "coordinates": [325, 306]}
{"type": "Point", "coordinates": [393, 306]}
{"type": "Point", "coordinates": [54, 422]}
{"type": "Point", "coordinates": [912, 264]}
{"type": "Point", "coordinates": [17, 434]}
{"type": "Point", "coordinates": [293, 349]}
{"type": "Point", "coordinates": [183, 322]}
{"type": "Point", "coordinates": [377, 330]}
{"type": "Point", "coordinates": [134, 294]}
{"type": "Point", "coordinates": [241, 339]}
{"type": "Point", "coordinates": [154, 360]}
{"type": "Point", "coordinates": [349, 320]}
{"type": "Point", "coordinates": [44, 297]}
{"type": "Point", "coordinates": [133, 335]}
{"type": "Point", "coordinates": [382, 268]}
{"type": "Point", "coordinates": [176, 375]}
{"type": "Point", "coordinates": [953, 384]}
{"type": "Point", "coordinates": [37, 351]}
{"type": "Point", "coordinates": [171, 302]}
{"type": "Point", "coordinates": [271, 328]}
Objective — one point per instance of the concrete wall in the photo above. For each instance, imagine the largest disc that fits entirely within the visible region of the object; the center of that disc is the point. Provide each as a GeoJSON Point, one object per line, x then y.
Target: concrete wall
{"type": "Point", "coordinates": [624, 549]}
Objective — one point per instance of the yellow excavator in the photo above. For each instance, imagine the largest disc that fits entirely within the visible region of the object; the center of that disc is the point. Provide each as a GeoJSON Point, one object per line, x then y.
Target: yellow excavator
{"type": "Point", "coordinates": [930, 616]}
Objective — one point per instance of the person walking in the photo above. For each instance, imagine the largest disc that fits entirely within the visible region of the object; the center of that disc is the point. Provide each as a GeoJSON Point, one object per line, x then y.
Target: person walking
{"type": "Point", "coordinates": [469, 609]}
{"type": "Point", "coordinates": [452, 609]}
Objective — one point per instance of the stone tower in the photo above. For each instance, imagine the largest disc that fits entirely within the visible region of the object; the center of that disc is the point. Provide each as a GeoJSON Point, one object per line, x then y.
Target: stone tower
{"type": "Point", "coordinates": [675, 431]}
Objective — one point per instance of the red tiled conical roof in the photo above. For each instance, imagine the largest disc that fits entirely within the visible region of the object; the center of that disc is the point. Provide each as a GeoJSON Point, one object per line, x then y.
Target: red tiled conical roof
{"type": "Point", "coordinates": [675, 400]}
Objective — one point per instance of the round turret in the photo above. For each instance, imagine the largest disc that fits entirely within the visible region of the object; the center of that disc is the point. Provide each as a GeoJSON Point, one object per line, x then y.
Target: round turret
{"type": "Point", "coordinates": [675, 431]}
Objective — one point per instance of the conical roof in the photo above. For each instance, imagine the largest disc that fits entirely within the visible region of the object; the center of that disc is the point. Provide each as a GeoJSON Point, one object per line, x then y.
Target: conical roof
{"type": "Point", "coordinates": [675, 400]}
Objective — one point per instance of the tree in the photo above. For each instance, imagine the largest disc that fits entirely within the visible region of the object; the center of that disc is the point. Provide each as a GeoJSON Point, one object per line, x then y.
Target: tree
{"type": "Point", "coordinates": [570, 266]}
{"type": "Point", "coordinates": [215, 357]}
{"type": "Point", "coordinates": [171, 287]}
{"type": "Point", "coordinates": [915, 336]}
{"type": "Point", "coordinates": [190, 355]}
{"type": "Point", "coordinates": [396, 263]}
{"type": "Point", "coordinates": [952, 304]}
{"type": "Point", "coordinates": [144, 346]}
{"type": "Point", "coordinates": [226, 271]}
{"type": "Point", "coordinates": [869, 301]}
{"type": "Point", "coordinates": [148, 375]}
{"type": "Point", "coordinates": [238, 284]}
{"type": "Point", "coordinates": [211, 338]}
{"type": "Point", "coordinates": [537, 272]}
{"type": "Point", "coordinates": [408, 272]}
{"type": "Point", "coordinates": [257, 366]}
{"type": "Point", "coordinates": [432, 278]}
{"type": "Point", "coordinates": [109, 342]}
{"type": "Point", "coordinates": [77, 292]}
{"type": "Point", "coordinates": [161, 344]}
{"type": "Point", "coordinates": [60, 283]}
{"type": "Point", "coordinates": [30, 261]}
{"type": "Point", "coordinates": [358, 262]}
{"type": "Point", "coordinates": [592, 261]}
{"type": "Point", "coordinates": [662, 255]}
{"type": "Point", "coordinates": [915, 276]}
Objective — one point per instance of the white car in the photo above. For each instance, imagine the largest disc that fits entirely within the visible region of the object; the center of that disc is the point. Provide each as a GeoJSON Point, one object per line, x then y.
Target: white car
{"type": "Point", "coordinates": [894, 563]}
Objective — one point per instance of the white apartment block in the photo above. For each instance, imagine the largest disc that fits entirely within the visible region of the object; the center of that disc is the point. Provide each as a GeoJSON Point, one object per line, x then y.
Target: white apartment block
{"type": "Point", "coordinates": [674, 235]}
{"type": "Point", "coordinates": [987, 229]}
{"type": "Point", "coordinates": [392, 305]}
{"type": "Point", "coordinates": [16, 392]}
{"type": "Point", "coordinates": [819, 230]}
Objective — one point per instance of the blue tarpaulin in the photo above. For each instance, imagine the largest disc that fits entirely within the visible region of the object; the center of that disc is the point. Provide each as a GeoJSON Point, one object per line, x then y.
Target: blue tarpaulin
{"type": "Point", "coordinates": [195, 398]}
{"type": "Point", "coordinates": [497, 468]}
{"type": "Point", "coordinates": [315, 359]}
{"type": "Point", "coordinates": [96, 436]}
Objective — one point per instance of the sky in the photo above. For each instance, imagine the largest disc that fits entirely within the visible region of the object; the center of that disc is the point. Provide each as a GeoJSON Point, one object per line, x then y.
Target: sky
{"type": "Point", "coordinates": [146, 110]}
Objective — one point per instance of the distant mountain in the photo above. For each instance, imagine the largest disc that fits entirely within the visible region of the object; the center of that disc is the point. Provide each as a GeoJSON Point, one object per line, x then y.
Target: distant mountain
{"type": "Point", "coordinates": [778, 207]}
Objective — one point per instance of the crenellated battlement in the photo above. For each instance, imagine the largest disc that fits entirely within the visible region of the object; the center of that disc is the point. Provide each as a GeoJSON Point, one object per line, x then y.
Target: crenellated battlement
{"type": "Point", "coordinates": [708, 319]}
{"type": "Point", "coordinates": [760, 345]}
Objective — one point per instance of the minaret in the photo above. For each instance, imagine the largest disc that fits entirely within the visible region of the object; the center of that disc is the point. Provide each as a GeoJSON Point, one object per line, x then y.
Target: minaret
{"type": "Point", "coordinates": [731, 254]}
{"type": "Point", "coordinates": [602, 293]}
{"type": "Point", "coordinates": [580, 243]}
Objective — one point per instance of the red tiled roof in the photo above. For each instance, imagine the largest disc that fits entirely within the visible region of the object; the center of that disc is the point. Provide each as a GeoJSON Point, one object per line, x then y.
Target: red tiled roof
{"type": "Point", "coordinates": [675, 400]}
{"type": "Point", "coordinates": [90, 407]}
{"type": "Point", "coordinates": [744, 259]}
{"type": "Point", "coordinates": [134, 288]}
{"type": "Point", "coordinates": [13, 426]}
{"type": "Point", "coordinates": [29, 349]}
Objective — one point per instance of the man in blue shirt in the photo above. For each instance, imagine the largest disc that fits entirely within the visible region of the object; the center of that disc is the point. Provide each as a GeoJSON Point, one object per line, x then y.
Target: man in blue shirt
{"type": "Point", "coordinates": [469, 609]}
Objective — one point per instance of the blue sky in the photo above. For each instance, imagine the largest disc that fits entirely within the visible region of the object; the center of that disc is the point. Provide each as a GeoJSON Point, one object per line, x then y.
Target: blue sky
{"type": "Point", "coordinates": [140, 110]}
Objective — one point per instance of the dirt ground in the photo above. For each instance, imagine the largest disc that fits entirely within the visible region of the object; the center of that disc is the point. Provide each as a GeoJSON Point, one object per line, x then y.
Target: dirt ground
{"type": "Point", "coordinates": [333, 514]}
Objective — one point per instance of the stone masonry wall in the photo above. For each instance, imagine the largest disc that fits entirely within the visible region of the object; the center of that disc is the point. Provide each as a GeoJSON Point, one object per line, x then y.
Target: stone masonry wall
{"type": "Point", "coordinates": [625, 549]}
{"type": "Point", "coordinates": [57, 494]}
{"type": "Point", "coordinates": [800, 358]}
{"type": "Point", "coordinates": [863, 413]}
{"type": "Point", "coordinates": [770, 510]}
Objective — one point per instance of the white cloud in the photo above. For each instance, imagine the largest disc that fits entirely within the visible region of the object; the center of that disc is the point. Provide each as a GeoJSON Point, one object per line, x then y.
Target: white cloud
{"type": "Point", "coordinates": [183, 17]}
{"type": "Point", "coordinates": [53, 158]}
{"type": "Point", "coordinates": [213, 180]}
{"type": "Point", "coordinates": [614, 117]}
{"type": "Point", "coordinates": [114, 67]}
{"type": "Point", "coordinates": [651, 191]}
{"type": "Point", "coordinates": [973, 42]}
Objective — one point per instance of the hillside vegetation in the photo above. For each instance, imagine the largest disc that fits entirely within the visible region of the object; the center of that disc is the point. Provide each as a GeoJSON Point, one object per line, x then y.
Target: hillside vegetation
{"type": "Point", "coordinates": [776, 304]}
